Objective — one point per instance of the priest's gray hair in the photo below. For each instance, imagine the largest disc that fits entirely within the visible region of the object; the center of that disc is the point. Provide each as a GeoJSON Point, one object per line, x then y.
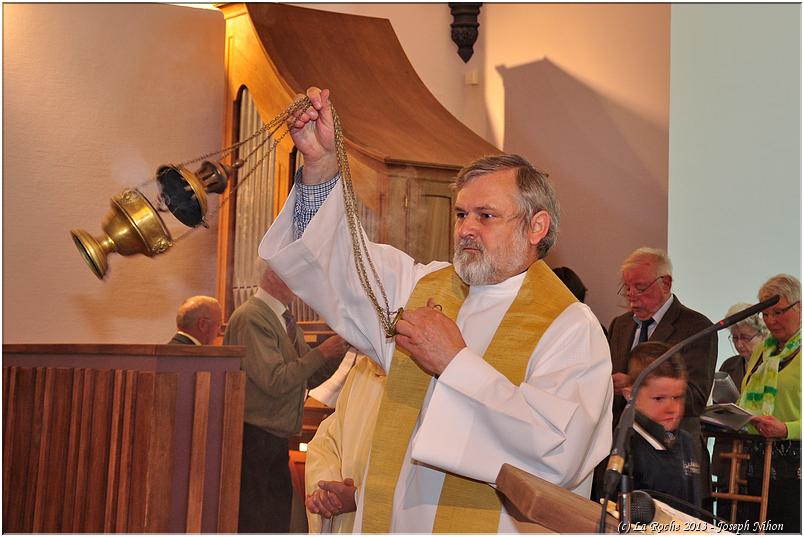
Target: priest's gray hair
{"type": "Point", "coordinates": [535, 191]}
{"type": "Point", "coordinates": [784, 285]}
{"type": "Point", "coordinates": [656, 255]}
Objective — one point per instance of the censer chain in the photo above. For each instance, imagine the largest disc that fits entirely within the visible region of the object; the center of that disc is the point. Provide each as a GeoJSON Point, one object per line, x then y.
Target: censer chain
{"type": "Point", "coordinates": [359, 247]}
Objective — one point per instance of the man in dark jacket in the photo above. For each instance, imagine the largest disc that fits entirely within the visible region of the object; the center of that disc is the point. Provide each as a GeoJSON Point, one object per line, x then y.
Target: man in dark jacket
{"type": "Point", "coordinates": [656, 314]}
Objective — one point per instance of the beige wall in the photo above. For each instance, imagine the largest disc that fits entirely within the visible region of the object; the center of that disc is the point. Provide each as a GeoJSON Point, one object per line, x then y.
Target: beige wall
{"type": "Point", "coordinates": [113, 91]}
{"type": "Point", "coordinates": [95, 98]}
{"type": "Point", "coordinates": [582, 90]}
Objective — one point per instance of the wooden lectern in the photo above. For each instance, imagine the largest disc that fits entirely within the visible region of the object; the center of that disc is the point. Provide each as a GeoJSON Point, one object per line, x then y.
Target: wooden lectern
{"type": "Point", "coordinates": [553, 507]}
{"type": "Point", "coordinates": [121, 438]}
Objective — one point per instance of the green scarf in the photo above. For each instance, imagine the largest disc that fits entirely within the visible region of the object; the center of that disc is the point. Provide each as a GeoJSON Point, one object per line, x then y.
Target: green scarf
{"type": "Point", "coordinates": [759, 391]}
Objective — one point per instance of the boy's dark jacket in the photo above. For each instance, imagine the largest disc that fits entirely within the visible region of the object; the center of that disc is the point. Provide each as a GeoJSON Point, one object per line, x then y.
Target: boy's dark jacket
{"type": "Point", "coordinates": [665, 461]}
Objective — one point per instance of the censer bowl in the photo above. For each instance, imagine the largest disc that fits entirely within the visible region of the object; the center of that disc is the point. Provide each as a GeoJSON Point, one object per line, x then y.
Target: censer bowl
{"type": "Point", "coordinates": [131, 227]}
{"type": "Point", "coordinates": [183, 193]}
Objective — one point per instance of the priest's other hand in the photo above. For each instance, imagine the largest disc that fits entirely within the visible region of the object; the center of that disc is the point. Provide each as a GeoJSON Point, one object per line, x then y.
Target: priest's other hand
{"type": "Point", "coordinates": [431, 338]}
{"type": "Point", "coordinates": [332, 498]}
{"type": "Point", "coordinates": [313, 133]}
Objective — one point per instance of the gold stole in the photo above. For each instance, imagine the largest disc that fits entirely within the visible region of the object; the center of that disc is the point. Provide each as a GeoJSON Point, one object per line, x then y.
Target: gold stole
{"type": "Point", "coordinates": [465, 505]}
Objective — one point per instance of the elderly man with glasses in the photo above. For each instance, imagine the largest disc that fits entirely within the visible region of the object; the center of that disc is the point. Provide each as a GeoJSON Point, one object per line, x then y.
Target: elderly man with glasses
{"type": "Point", "coordinates": [656, 314]}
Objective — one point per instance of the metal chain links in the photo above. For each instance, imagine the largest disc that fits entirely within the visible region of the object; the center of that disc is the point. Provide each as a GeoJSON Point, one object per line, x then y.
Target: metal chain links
{"type": "Point", "coordinates": [360, 250]}
{"type": "Point", "coordinates": [358, 237]}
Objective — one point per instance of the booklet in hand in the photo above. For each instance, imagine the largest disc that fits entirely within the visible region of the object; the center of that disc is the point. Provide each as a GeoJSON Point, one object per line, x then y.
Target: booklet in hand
{"type": "Point", "coordinates": [727, 415]}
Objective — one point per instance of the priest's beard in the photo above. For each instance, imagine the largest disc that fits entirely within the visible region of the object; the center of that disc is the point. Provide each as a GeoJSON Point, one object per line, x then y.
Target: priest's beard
{"type": "Point", "coordinates": [487, 268]}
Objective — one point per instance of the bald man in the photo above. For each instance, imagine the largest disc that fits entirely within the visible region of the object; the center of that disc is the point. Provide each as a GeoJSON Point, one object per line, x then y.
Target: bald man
{"type": "Point", "coordinates": [197, 321]}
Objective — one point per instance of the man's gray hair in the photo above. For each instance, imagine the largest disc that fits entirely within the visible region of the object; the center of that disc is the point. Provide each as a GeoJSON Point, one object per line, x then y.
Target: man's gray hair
{"type": "Point", "coordinates": [784, 285]}
{"type": "Point", "coordinates": [753, 322]}
{"type": "Point", "coordinates": [655, 255]}
{"type": "Point", "coordinates": [193, 309]}
{"type": "Point", "coordinates": [535, 191]}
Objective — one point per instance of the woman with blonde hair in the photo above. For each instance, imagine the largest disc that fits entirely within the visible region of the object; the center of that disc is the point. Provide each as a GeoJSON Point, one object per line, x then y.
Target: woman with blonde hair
{"type": "Point", "coordinates": [771, 390]}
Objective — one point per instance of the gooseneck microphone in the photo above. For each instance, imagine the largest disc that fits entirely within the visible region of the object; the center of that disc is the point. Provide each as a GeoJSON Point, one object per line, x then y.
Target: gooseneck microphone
{"type": "Point", "coordinates": [622, 433]}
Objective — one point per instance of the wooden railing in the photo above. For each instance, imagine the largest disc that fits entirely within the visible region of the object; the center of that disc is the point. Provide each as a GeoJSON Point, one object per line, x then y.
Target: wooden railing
{"type": "Point", "coordinates": [121, 438]}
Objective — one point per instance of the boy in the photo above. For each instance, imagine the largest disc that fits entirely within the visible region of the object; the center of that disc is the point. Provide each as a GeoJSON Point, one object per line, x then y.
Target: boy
{"type": "Point", "coordinates": [662, 456]}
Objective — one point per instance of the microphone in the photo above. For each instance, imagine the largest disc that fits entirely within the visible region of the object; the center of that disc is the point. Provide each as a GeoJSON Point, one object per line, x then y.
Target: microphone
{"type": "Point", "coordinates": [643, 508]}
{"type": "Point", "coordinates": [747, 312]}
{"type": "Point", "coordinates": [622, 433]}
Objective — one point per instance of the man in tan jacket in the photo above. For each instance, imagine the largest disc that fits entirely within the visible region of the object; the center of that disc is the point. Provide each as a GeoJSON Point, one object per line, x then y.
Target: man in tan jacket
{"type": "Point", "coordinates": [279, 367]}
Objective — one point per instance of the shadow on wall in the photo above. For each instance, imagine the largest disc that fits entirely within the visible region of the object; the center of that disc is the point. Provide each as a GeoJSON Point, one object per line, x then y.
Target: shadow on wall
{"type": "Point", "coordinates": [607, 163]}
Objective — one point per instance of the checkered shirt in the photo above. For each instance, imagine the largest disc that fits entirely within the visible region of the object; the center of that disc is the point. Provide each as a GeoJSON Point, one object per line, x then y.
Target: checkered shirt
{"type": "Point", "coordinates": [309, 198]}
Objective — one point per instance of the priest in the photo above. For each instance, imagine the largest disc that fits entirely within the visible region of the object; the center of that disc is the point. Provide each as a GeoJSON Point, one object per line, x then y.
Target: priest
{"type": "Point", "coordinates": [494, 361]}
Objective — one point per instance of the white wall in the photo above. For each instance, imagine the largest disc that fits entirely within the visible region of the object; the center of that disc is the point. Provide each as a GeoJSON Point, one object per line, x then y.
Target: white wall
{"type": "Point", "coordinates": [95, 98]}
{"type": "Point", "coordinates": [735, 152]}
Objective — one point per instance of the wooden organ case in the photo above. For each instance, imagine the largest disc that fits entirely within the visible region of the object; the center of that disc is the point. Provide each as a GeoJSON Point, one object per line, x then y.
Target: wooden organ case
{"type": "Point", "coordinates": [404, 146]}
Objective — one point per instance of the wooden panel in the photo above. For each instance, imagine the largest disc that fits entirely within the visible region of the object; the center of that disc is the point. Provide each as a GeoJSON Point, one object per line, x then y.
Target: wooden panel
{"type": "Point", "coordinates": [113, 473]}
{"type": "Point", "coordinates": [73, 449]}
{"type": "Point", "coordinates": [7, 375]}
{"type": "Point", "coordinates": [44, 439]}
{"type": "Point", "coordinates": [231, 451]}
{"type": "Point", "coordinates": [198, 453]}
{"type": "Point", "coordinates": [33, 450]}
{"type": "Point", "coordinates": [296, 461]}
{"type": "Point", "coordinates": [189, 351]}
{"type": "Point", "coordinates": [18, 442]}
{"type": "Point", "coordinates": [120, 519]}
{"type": "Point", "coordinates": [160, 455]}
{"type": "Point", "coordinates": [9, 408]}
{"type": "Point", "coordinates": [88, 450]}
{"type": "Point", "coordinates": [143, 410]}
{"type": "Point", "coordinates": [97, 468]}
{"type": "Point", "coordinates": [55, 464]}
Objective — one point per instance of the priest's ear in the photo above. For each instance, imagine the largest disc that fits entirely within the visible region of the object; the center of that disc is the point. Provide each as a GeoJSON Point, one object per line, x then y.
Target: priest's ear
{"type": "Point", "coordinates": [538, 227]}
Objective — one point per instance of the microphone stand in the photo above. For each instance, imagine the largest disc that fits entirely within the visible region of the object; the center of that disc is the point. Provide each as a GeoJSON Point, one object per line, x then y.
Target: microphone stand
{"type": "Point", "coordinates": [624, 503]}
{"type": "Point", "coordinates": [622, 433]}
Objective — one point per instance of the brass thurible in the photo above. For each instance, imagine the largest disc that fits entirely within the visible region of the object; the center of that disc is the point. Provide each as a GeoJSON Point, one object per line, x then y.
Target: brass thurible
{"type": "Point", "coordinates": [132, 226]}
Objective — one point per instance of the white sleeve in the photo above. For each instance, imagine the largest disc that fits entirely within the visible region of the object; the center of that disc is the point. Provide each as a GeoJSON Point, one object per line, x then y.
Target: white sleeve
{"type": "Point", "coordinates": [320, 269]}
{"type": "Point", "coordinates": [556, 424]}
{"type": "Point", "coordinates": [327, 392]}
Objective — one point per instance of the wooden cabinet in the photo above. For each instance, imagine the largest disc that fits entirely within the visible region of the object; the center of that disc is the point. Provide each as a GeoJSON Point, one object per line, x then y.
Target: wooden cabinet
{"type": "Point", "coordinates": [423, 201]}
{"type": "Point", "coordinates": [404, 147]}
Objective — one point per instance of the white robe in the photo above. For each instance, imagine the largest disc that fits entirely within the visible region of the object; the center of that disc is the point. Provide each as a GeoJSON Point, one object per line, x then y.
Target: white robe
{"type": "Point", "coordinates": [556, 424]}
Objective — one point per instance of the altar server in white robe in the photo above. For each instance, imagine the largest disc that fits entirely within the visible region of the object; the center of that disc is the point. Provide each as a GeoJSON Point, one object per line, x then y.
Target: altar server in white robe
{"type": "Point", "coordinates": [494, 362]}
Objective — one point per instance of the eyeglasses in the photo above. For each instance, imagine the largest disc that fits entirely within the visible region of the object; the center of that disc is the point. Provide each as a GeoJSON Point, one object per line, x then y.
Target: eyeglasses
{"type": "Point", "coordinates": [744, 339]}
{"type": "Point", "coordinates": [777, 313]}
{"type": "Point", "coordinates": [625, 290]}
